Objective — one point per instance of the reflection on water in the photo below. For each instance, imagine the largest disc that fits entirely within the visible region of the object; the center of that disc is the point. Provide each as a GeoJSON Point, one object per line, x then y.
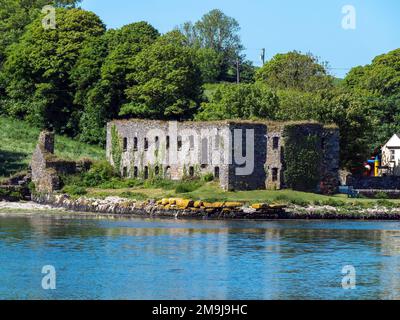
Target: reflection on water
{"type": "Point", "coordinates": [170, 259]}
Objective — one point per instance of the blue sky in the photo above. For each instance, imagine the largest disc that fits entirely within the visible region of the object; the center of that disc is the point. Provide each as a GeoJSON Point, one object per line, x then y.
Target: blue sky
{"type": "Point", "coordinates": [277, 25]}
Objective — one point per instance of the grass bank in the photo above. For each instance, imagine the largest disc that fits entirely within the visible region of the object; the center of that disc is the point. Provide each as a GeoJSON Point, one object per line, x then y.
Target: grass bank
{"type": "Point", "coordinates": [18, 140]}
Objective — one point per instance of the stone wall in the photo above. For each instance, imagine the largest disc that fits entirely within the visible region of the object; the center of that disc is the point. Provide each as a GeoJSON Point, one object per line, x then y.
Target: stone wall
{"type": "Point", "coordinates": [176, 150]}
{"type": "Point", "coordinates": [46, 168]}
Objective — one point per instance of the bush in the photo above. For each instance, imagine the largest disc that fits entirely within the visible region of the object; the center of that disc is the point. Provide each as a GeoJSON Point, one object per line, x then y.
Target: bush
{"type": "Point", "coordinates": [381, 195]}
{"type": "Point", "coordinates": [385, 203]}
{"type": "Point", "coordinates": [188, 186]}
{"type": "Point", "coordinates": [208, 177]}
{"type": "Point", "coordinates": [99, 173]}
{"type": "Point", "coordinates": [74, 190]}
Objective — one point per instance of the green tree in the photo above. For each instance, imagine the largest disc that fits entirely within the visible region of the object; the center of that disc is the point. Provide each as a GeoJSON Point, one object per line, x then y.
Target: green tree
{"type": "Point", "coordinates": [165, 82]}
{"type": "Point", "coordinates": [381, 77]}
{"type": "Point", "coordinates": [218, 32]}
{"type": "Point", "coordinates": [100, 76]}
{"type": "Point", "coordinates": [38, 68]}
{"type": "Point", "coordinates": [294, 70]}
{"type": "Point", "coordinates": [244, 101]}
{"type": "Point", "coordinates": [15, 15]}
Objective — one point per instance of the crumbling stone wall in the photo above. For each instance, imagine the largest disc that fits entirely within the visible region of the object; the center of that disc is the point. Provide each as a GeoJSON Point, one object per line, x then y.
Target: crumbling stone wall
{"type": "Point", "coordinates": [46, 168]}
{"type": "Point", "coordinates": [141, 150]}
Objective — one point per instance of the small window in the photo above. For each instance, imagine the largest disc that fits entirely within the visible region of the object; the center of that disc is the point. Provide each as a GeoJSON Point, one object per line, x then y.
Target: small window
{"type": "Point", "coordinates": [125, 144]}
{"type": "Point", "coordinates": [216, 173]}
{"type": "Point", "coordinates": [167, 143]}
{"type": "Point", "coordinates": [156, 170]}
{"type": "Point", "coordinates": [179, 141]}
{"type": "Point", "coordinates": [135, 172]}
{"type": "Point", "coordinates": [191, 172]}
{"type": "Point", "coordinates": [275, 143]}
{"type": "Point", "coordinates": [146, 173]}
{"type": "Point", "coordinates": [168, 172]}
{"type": "Point", "coordinates": [392, 155]}
{"type": "Point", "coordinates": [275, 174]}
{"type": "Point", "coordinates": [125, 172]}
{"type": "Point", "coordinates": [191, 142]}
{"type": "Point", "coordinates": [135, 144]}
{"type": "Point", "coordinates": [157, 142]}
{"type": "Point", "coordinates": [146, 144]}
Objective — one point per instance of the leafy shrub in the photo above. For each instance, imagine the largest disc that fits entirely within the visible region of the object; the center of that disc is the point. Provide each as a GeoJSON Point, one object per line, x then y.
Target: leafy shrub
{"type": "Point", "coordinates": [118, 183]}
{"type": "Point", "coordinates": [99, 173]}
{"type": "Point", "coordinates": [74, 190]}
{"type": "Point", "coordinates": [333, 203]}
{"type": "Point", "coordinates": [208, 177]}
{"type": "Point", "coordinates": [299, 202]}
{"type": "Point", "coordinates": [188, 186]}
{"type": "Point", "coordinates": [381, 195]}
{"type": "Point", "coordinates": [385, 203]}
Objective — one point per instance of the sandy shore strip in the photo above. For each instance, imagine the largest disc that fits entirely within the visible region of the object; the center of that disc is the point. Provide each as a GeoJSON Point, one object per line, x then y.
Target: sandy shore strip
{"type": "Point", "coordinates": [30, 205]}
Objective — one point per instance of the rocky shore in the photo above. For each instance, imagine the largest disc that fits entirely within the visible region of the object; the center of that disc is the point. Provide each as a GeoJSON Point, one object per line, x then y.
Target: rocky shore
{"type": "Point", "coordinates": [227, 210]}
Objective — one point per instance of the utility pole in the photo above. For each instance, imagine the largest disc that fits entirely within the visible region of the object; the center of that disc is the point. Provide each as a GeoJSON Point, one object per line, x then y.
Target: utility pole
{"type": "Point", "coordinates": [237, 70]}
{"type": "Point", "coordinates": [263, 55]}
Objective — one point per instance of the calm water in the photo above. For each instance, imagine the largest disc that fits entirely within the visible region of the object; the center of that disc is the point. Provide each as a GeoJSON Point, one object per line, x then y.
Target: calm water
{"type": "Point", "coordinates": [168, 259]}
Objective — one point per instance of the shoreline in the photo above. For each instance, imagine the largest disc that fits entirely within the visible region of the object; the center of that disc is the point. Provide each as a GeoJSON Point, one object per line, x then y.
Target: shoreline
{"type": "Point", "coordinates": [114, 207]}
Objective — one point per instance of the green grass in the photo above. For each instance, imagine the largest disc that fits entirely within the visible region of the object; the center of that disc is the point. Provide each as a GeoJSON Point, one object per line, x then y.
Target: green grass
{"type": "Point", "coordinates": [213, 193]}
{"type": "Point", "coordinates": [18, 140]}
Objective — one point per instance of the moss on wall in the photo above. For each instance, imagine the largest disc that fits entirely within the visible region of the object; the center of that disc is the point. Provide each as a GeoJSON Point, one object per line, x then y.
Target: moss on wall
{"type": "Point", "coordinates": [303, 157]}
{"type": "Point", "coordinates": [116, 148]}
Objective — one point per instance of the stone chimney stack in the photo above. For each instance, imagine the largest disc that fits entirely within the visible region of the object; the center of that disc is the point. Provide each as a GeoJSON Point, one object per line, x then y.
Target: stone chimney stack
{"type": "Point", "coordinates": [46, 141]}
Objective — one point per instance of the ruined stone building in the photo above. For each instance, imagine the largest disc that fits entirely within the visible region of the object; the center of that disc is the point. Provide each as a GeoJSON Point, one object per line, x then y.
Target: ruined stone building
{"type": "Point", "coordinates": [242, 155]}
{"type": "Point", "coordinates": [47, 168]}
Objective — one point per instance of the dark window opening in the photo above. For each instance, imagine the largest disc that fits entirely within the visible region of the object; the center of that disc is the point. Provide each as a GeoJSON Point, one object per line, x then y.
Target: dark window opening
{"type": "Point", "coordinates": [275, 174]}
{"type": "Point", "coordinates": [275, 143]}
{"type": "Point", "coordinates": [135, 143]}
{"type": "Point", "coordinates": [168, 172]}
{"type": "Point", "coordinates": [157, 171]}
{"type": "Point", "coordinates": [146, 173]}
{"type": "Point", "coordinates": [191, 172]}
{"type": "Point", "coordinates": [179, 141]}
{"type": "Point", "coordinates": [157, 142]}
{"type": "Point", "coordinates": [135, 172]}
{"type": "Point", "coordinates": [125, 144]}
{"type": "Point", "coordinates": [146, 144]}
{"type": "Point", "coordinates": [125, 172]}
{"type": "Point", "coordinates": [167, 142]}
{"type": "Point", "coordinates": [216, 172]}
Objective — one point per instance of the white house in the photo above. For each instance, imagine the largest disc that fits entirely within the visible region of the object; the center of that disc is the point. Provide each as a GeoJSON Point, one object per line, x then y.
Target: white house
{"type": "Point", "coordinates": [391, 155]}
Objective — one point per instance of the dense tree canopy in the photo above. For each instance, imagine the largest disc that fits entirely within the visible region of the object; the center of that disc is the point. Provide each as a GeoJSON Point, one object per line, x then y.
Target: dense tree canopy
{"type": "Point", "coordinates": [165, 82]}
{"type": "Point", "coordinates": [244, 101]}
{"type": "Point", "coordinates": [217, 32]}
{"type": "Point", "coordinates": [37, 69]}
{"type": "Point", "coordinates": [294, 70]}
{"type": "Point", "coordinates": [78, 76]}
{"type": "Point", "coordinates": [100, 76]}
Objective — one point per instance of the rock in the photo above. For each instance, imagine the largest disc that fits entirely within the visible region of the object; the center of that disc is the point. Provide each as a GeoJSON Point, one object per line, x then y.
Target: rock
{"type": "Point", "coordinates": [233, 204]}
{"type": "Point", "coordinates": [184, 204]}
{"type": "Point", "coordinates": [260, 206]}
{"type": "Point", "coordinates": [198, 204]}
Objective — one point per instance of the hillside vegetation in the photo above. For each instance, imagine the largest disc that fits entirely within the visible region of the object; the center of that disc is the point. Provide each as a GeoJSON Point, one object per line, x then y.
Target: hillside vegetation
{"type": "Point", "coordinates": [18, 140]}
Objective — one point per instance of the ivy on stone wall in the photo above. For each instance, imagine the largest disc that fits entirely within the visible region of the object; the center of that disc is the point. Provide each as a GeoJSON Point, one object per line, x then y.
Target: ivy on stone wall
{"type": "Point", "coordinates": [116, 148]}
{"type": "Point", "coordinates": [303, 158]}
